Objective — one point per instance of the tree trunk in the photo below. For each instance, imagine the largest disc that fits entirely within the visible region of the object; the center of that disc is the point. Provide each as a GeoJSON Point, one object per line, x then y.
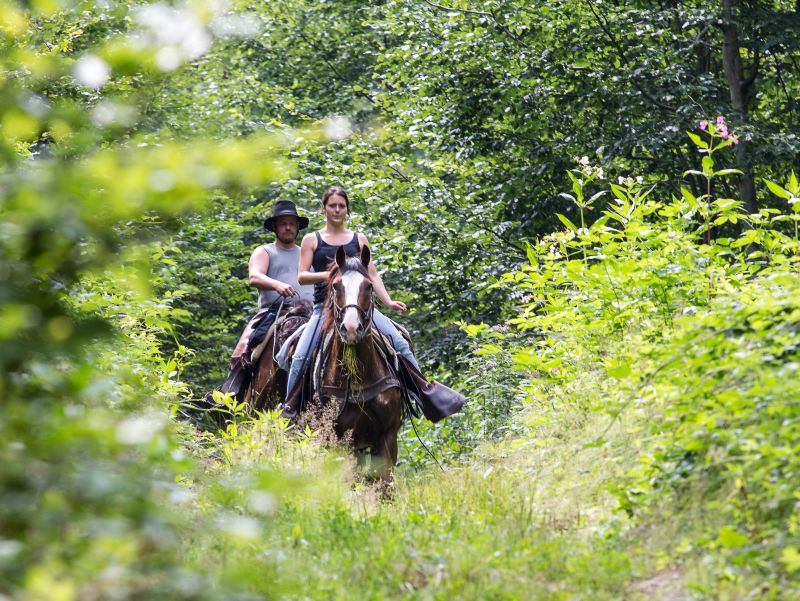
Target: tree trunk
{"type": "Point", "coordinates": [741, 92]}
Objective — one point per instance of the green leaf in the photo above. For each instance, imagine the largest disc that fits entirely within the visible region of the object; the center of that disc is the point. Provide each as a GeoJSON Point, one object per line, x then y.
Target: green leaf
{"type": "Point", "coordinates": [731, 538]}
{"type": "Point", "coordinates": [790, 558]}
{"type": "Point", "coordinates": [619, 192]}
{"type": "Point", "coordinates": [619, 371]}
{"type": "Point", "coordinates": [793, 186]}
{"type": "Point", "coordinates": [689, 197]}
{"type": "Point", "coordinates": [778, 190]}
{"type": "Point", "coordinates": [567, 222]}
{"type": "Point", "coordinates": [723, 144]}
{"type": "Point", "coordinates": [699, 142]}
{"type": "Point", "coordinates": [473, 330]}
{"type": "Point", "coordinates": [530, 253]}
{"type": "Point", "coordinates": [599, 442]}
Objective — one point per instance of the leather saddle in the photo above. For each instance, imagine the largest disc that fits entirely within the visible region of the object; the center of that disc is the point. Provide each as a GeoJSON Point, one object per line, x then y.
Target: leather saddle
{"type": "Point", "coordinates": [432, 399]}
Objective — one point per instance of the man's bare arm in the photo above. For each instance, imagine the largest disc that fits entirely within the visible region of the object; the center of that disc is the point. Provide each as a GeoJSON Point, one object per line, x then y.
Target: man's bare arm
{"type": "Point", "coordinates": [258, 278]}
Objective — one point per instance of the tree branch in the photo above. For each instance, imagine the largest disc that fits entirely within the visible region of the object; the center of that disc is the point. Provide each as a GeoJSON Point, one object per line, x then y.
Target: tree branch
{"type": "Point", "coordinates": [601, 21]}
{"type": "Point", "coordinates": [404, 177]}
{"type": "Point", "coordinates": [333, 68]}
{"type": "Point", "coordinates": [502, 238]}
{"type": "Point", "coordinates": [480, 13]}
{"type": "Point", "coordinates": [458, 10]}
{"type": "Point", "coordinates": [754, 73]}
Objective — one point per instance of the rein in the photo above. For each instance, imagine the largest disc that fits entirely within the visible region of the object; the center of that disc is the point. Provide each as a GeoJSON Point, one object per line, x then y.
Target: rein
{"type": "Point", "coordinates": [275, 334]}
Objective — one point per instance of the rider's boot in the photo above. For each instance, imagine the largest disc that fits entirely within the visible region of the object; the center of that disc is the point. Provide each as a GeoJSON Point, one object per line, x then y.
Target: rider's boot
{"type": "Point", "coordinates": [238, 377]}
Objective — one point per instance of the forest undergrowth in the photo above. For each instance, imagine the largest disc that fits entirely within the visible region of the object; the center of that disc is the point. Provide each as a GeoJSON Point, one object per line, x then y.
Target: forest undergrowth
{"type": "Point", "coordinates": [630, 433]}
{"type": "Point", "coordinates": [645, 447]}
{"type": "Point", "coordinates": [629, 350]}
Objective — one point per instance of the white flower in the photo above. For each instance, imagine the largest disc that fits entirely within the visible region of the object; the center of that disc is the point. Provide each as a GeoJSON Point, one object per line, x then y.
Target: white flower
{"type": "Point", "coordinates": [236, 26]}
{"type": "Point", "coordinates": [338, 128]}
{"type": "Point", "coordinates": [176, 31]}
{"type": "Point", "coordinates": [584, 161]}
{"type": "Point", "coordinates": [140, 429]}
{"type": "Point", "coordinates": [92, 71]}
{"type": "Point", "coordinates": [111, 113]}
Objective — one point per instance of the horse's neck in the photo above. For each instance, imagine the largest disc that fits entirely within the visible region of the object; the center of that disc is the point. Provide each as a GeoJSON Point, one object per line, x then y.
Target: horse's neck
{"type": "Point", "coordinates": [366, 355]}
{"type": "Point", "coordinates": [365, 351]}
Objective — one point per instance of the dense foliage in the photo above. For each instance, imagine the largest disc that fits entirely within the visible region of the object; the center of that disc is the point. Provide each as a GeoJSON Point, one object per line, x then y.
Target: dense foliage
{"type": "Point", "coordinates": [463, 120]}
{"type": "Point", "coordinates": [619, 300]}
{"type": "Point", "coordinates": [690, 344]}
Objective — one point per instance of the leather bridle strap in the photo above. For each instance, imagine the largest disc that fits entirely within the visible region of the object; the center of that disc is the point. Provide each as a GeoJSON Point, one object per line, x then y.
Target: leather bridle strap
{"type": "Point", "coordinates": [275, 331]}
{"type": "Point", "coordinates": [363, 314]}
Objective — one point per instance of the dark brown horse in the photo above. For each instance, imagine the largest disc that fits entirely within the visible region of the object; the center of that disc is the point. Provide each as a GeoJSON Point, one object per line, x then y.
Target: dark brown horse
{"type": "Point", "coordinates": [267, 385]}
{"type": "Point", "coordinates": [354, 367]}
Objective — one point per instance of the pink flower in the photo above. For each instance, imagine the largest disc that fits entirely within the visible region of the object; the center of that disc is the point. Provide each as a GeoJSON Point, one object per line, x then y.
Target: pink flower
{"type": "Point", "coordinates": [724, 131]}
{"type": "Point", "coordinates": [736, 140]}
{"type": "Point", "coordinates": [720, 120]}
{"type": "Point", "coordinates": [703, 125]}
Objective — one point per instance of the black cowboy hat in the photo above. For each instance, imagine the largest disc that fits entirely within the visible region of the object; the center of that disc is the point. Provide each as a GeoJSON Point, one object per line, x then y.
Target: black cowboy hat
{"type": "Point", "coordinates": [285, 207]}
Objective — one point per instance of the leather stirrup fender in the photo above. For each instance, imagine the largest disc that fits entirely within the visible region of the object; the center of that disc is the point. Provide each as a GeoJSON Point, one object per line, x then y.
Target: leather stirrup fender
{"type": "Point", "coordinates": [436, 400]}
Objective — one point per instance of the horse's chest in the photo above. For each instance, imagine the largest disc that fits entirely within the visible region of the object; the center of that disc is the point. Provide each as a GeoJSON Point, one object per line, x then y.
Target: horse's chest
{"type": "Point", "coordinates": [358, 392]}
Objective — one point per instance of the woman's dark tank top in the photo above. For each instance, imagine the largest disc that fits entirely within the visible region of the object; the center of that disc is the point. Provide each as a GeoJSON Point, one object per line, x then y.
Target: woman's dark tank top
{"type": "Point", "coordinates": [323, 256]}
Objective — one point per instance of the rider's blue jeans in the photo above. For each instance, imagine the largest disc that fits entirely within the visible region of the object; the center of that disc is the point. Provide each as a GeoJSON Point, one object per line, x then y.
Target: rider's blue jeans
{"type": "Point", "coordinates": [309, 340]}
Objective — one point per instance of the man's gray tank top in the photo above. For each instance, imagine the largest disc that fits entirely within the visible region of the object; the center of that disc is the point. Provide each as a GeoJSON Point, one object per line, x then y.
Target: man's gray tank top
{"type": "Point", "coordinates": [283, 267]}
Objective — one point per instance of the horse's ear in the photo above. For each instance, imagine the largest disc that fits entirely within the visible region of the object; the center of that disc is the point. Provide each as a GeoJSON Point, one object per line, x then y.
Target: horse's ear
{"type": "Point", "coordinates": [365, 255]}
{"type": "Point", "coordinates": [341, 257]}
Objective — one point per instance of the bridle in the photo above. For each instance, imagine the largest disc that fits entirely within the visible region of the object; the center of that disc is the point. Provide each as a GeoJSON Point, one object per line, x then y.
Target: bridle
{"type": "Point", "coordinates": [365, 315]}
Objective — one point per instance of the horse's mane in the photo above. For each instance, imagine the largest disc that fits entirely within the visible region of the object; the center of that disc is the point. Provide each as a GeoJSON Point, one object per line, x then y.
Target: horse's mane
{"type": "Point", "coordinates": [350, 264]}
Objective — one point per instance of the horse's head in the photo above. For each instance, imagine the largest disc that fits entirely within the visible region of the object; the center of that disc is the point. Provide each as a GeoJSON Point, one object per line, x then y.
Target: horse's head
{"type": "Point", "coordinates": [352, 297]}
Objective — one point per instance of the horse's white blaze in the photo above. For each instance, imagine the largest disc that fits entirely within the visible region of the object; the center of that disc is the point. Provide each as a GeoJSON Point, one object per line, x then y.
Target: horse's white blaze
{"type": "Point", "coordinates": [351, 281]}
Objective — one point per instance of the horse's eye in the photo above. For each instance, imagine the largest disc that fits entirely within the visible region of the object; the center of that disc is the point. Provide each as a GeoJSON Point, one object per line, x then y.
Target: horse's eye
{"type": "Point", "coordinates": [337, 286]}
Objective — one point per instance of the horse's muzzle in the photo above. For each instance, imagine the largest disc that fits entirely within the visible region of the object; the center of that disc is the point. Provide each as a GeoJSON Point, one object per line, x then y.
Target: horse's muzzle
{"type": "Point", "coordinates": [351, 335]}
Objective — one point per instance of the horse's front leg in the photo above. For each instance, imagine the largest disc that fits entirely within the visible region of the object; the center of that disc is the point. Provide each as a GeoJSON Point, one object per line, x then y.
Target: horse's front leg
{"type": "Point", "coordinates": [384, 457]}
{"type": "Point", "coordinates": [262, 383]}
{"type": "Point", "coordinates": [384, 450]}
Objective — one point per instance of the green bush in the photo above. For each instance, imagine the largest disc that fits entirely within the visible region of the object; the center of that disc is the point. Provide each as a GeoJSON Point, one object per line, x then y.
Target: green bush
{"type": "Point", "coordinates": [691, 341]}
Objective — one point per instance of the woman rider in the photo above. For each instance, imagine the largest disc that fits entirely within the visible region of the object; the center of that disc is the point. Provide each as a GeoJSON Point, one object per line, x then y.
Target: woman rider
{"type": "Point", "coordinates": [316, 251]}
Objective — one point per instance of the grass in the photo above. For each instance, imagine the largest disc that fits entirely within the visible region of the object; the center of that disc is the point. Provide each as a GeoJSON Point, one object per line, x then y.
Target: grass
{"type": "Point", "coordinates": [527, 518]}
{"type": "Point", "coordinates": [534, 515]}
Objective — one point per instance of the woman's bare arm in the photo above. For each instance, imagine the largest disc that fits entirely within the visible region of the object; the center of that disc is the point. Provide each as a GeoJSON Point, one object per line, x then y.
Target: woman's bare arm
{"type": "Point", "coordinates": [377, 282]}
{"type": "Point", "coordinates": [304, 273]}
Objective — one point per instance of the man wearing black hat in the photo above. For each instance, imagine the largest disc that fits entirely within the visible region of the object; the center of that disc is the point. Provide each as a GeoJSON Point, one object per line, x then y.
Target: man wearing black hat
{"type": "Point", "coordinates": [273, 271]}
